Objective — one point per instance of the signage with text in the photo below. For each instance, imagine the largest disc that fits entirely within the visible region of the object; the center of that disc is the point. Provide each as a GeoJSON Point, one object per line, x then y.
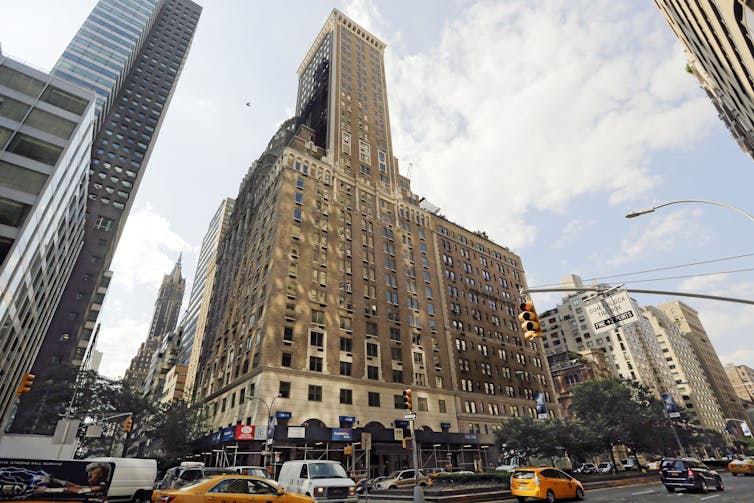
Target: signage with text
{"type": "Point", "coordinates": [54, 480]}
{"type": "Point", "coordinates": [342, 435]}
{"type": "Point", "coordinates": [244, 432]}
{"type": "Point", "coordinates": [608, 312]}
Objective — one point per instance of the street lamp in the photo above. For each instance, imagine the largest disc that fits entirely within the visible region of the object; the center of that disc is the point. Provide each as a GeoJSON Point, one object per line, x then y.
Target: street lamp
{"type": "Point", "coordinates": [638, 213]}
{"type": "Point", "coordinates": [271, 439]}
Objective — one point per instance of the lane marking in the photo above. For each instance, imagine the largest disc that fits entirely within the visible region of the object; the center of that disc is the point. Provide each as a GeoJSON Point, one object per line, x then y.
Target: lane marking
{"type": "Point", "coordinates": [643, 492]}
{"type": "Point", "coordinates": [710, 497]}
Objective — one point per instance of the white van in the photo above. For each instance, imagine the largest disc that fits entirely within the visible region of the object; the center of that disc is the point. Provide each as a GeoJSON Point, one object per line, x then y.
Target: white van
{"type": "Point", "coordinates": [322, 480]}
{"type": "Point", "coordinates": [132, 481]}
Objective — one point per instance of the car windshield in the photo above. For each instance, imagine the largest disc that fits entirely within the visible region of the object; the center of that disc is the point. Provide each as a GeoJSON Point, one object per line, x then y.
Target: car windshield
{"type": "Point", "coordinates": [395, 475]}
{"type": "Point", "coordinates": [523, 475]}
{"type": "Point", "coordinates": [326, 471]}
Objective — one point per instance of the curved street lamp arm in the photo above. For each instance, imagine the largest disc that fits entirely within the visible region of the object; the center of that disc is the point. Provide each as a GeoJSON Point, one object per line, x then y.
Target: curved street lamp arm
{"type": "Point", "coordinates": [704, 201]}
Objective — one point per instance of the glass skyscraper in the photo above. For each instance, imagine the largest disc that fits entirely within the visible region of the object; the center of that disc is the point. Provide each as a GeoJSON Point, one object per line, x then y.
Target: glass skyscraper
{"type": "Point", "coordinates": [130, 52]}
{"type": "Point", "coordinates": [45, 148]}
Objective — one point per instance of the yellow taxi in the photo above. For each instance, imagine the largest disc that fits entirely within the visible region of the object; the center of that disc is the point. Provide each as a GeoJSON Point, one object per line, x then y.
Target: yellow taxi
{"type": "Point", "coordinates": [741, 466]}
{"type": "Point", "coordinates": [229, 489]}
{"type": "Point", "coordinates": [545, 483]}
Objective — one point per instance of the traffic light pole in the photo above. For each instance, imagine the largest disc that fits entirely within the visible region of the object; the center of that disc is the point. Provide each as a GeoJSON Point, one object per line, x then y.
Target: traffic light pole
{"type": "Point", "coordinates": [418, 491]}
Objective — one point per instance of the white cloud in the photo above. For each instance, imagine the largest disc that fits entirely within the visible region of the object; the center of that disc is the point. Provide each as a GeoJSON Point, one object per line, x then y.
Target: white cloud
{"type": "Point", "coordinates": [662, 232]}
{"type": "Point", "coordinates": [546, 102]}
{"type": "Point", "coordinates": [739, 357]}
{"type": "Point", "coordinates": [119, 341]}
{"type": "Point", "coordinates": [147, 250]}
{"type": "Point", "coordinates": [572, 232]}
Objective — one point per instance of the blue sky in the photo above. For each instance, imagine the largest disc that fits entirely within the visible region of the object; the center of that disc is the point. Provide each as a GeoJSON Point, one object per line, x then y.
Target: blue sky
{"type": "Point", "coordinates": [543, 123]}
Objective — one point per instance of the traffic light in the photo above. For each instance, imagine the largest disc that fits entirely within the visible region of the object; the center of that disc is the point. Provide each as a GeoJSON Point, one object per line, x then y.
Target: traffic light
{"type": "Point", "coordinates": [26, 382]}
{"type": "Point", "coordinates": [128, 424]}
{"type": "Point", "coordinates": [530, 321]}
{"type": "Point", "coordinates": [348, 450]}
{"type": "Point", "coordinates": [408, 402]}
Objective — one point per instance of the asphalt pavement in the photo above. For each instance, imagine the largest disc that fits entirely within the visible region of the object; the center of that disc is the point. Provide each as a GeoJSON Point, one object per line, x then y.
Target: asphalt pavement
{"type": "Point", "coordinates": [737, 490]}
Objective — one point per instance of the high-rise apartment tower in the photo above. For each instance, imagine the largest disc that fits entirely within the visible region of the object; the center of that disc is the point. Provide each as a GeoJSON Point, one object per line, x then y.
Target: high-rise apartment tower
{"type": "Point", "coordinates": [336, 290]}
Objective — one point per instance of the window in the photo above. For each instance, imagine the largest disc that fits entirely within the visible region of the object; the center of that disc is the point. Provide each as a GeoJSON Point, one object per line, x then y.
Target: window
{"type": "Point", "coordinates": [315, 364]}
{"type": "Point", "coordinates": [441, 405]}
{"type": "Point", "coordinates": [373, 372]}
{"type": "Point", "coordinates": [397, 376]}
{"type": "Point", "coordinates": [395, 334]}
{"type": "Point", "coordinates": [346, 368]}
{"type": "Point", "coordinates": [346, 344]}
{"type": "Point", "coordinates": [372, 349]}
{"type": "Point", "coordinates": [104, 224]}
{"type": "Point", "coordinates": [317, 339]}
{"type": "Point", "coordinates": [284, 390]}
{"type": "Point", "coordinates": [374, 399]}
{"type": "Point", "coordinates": [422, 404]}
{"type": "Point", "coordinates": [286, 360]}
{"type": "Point", "coordinates": [288, 334]}
{"type": "Point", "coordinates": [346, 396]}
{"type": "Point", "coordinates": [398, 401]}
{"type": "Point", "coordinates": [318, 317]}
{"type": "Point", "coordinates": [315, 393]}
{"type": "Point", "coordinates": [36, 149]}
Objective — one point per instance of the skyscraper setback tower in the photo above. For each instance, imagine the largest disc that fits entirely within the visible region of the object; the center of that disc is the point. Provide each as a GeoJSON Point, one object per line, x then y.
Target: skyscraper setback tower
{"type": "Point", "coordinates": [167, 308]}
{"type": "Point", "coordinates": [337, 288]}
{"type": "Point", "coordinates": [130, 52]}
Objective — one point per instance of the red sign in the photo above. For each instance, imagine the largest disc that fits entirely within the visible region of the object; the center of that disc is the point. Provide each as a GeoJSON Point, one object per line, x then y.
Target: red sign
{"type": "Point", "coordinates": [244, 432]}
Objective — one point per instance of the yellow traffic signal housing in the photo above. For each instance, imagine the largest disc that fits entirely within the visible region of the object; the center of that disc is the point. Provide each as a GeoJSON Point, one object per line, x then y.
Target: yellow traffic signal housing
{"type": "Point", "coordinates": [26, 381]}
{"type": "Point", "coordinates": [408, 402]}
{"type": "Point", "coordinates": [348, 450]}
{"type": "Point", "coordinates": [128, 424]}
{"type": "Point", "coordinates": [530, 321]}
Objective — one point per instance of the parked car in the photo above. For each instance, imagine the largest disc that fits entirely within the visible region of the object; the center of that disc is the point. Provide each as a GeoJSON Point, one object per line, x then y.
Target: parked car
{"type": "Point", "coordinates": [403, 478]}
{"type": "Point", "coordinates": [230, 487]}
{"type": "Point", "coordinates": [688, 473]}
{"type": "Point", "coordinates": [741, 466]}
{"type": "Point", "coordinates": [630, 464]}
{"type": "Point", "coordinates": [364, 484]}
{"type": "Point", "coordinates": [545, 483]}
{"type": "Point", "coordinates": [586, 468]}
{"type": "Point", "coordinates": [606, 467]}
{"type": "Point", "coordinates": [320, 479]}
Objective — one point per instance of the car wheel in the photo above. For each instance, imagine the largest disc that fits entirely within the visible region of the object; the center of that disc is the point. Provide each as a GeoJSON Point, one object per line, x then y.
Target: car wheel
{"type": "Point", "coordinates": [393, 487]}
{"type": "Point", "coordinates": [703, 486]}
{"type": "Point", "coordinates": [141, 497]}
{"type": "Point", "coordinates": [579, 493]}
{"type": "Point", "coordinates": [734, 474]}
{"type": "Point", "coordinates": [670, 489]}
{"type": "Point", "coordinates": [720, 486]}
{"type": "Point", "coordinates": [550, 496]}
{"type": "Point", "coordinates": [521, 498]}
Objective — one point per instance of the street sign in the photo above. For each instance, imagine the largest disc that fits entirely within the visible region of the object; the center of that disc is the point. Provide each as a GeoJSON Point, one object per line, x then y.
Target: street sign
{"type": "Point", "coordinates": [410, 415]}
{"type": "Point", "coordinates": [606, 313]}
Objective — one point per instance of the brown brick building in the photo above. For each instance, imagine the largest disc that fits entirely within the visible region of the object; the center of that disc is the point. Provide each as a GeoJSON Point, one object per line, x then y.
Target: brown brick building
{"type": "Point", "coordinates": [337, 288]}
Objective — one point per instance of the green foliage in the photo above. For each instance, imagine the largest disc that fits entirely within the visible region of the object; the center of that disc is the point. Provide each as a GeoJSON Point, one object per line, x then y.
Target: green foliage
{"type": "Point", "coordinates": [171, 430]}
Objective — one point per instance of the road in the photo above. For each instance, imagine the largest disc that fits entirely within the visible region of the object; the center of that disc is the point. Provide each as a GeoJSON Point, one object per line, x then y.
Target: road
{"type": "Point", "coordinates": [737, 490]}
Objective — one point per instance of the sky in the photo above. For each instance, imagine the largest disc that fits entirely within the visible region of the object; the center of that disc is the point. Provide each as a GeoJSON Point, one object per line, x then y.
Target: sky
{"type": "Point", "coordinates": [542, 123]}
